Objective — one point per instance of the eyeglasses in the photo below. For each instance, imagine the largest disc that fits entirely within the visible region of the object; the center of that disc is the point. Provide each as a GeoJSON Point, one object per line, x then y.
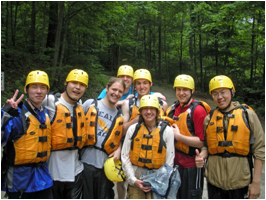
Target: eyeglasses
{"type": "Point", "coordinates": [215, 95]}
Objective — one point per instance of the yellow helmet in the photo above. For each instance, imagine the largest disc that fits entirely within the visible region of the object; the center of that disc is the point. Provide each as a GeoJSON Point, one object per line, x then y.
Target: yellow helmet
{"type": "Point", "coordinates": [79, 76]}
{"type": "Point", "coordinates": [113, 170]}
{"type": "Point", "coordinates": [185, 81]}
{"type": "Point", "coordinates": [149, 101]}
{"type": "Point", "coordinates": [221, 81]}
{"type": "Point", "coordinates": [142, 74]}
{"type": "Point", "coordinates": [125, 70]}
{"type": "Point", "coordinates": [37, 76]}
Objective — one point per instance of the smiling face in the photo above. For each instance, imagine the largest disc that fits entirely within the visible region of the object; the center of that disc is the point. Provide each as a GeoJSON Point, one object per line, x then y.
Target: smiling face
{"type": "Point", "coordinates": [143, 87]}
{"type": "Point", "coordinates": [183, 94]}
{"type": "Point", "coordinates": [36, 93]}
{"type": "Point", "coordinates": [149, 114]}
{"type": "Point", "coordinates": [127, 79]}
{"type": "Point", "coordinates": [114, 92]}
{"type": "Point", "coordinates": [75, 90]}
{"type": "Point", "coordinates": [221, 97]}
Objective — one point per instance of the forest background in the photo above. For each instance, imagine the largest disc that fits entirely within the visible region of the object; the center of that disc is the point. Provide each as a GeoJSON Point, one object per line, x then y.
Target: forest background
{"type": "Point", "coordinates": [199, 38]}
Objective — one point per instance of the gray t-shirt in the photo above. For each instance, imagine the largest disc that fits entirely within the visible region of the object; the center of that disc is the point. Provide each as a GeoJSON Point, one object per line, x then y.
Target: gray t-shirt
{"type": "Point", "coordinates": [91, 155]}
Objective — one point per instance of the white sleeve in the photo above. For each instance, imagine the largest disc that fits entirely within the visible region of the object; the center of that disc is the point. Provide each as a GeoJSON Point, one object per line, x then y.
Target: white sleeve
{"type": "Point", "coordinates": [126, 164]}
{"type": "Point", "coordinates": [170, 145]}
{"type": "Point", "coordinates": [49, 104]}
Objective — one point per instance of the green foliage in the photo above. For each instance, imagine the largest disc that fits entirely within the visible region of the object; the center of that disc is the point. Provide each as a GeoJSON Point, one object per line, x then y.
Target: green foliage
{"type": "Point", "coordinates": [200, 38]}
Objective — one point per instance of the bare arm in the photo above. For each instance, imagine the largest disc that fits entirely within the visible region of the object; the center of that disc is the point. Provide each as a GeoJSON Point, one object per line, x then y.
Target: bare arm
{"type": "Point", "coordinates": [120, 103]}
{"type": "Point", "coordinates": [190, 141]}
{"type": "Point", "coordinates": [128, 124]}
{"type": "Point", "coordinates": [158, 94]}
{"type": "Point", "coordinates": [125, 112]}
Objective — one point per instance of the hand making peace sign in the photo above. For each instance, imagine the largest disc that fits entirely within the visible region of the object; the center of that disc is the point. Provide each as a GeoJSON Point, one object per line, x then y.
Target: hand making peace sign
{"type": "Point", "coordinates": [12, 102]}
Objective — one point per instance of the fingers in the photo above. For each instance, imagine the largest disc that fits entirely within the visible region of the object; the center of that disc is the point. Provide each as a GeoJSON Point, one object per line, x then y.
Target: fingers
{"type": "Point", "coordinates": [175, 126]}
{"type": "Point", "coordinates": [15, 95]}
{"type": "Point", "coordinates": [197, 153]}
{"type": "Point", "coordinates": [20, 98]}
{"type": "Point", "coordinates": [111, 155]}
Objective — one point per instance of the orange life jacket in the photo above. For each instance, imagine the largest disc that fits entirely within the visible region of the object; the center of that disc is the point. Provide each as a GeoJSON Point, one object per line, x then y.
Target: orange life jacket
{"type": "Point", "coordinates": [148, 149]}
{"type": "Point", "coordinates": [91, 128]}
{"type": "Point", "coordinates": [185, 124]}
{"type": "Point", "coordinates": [134, 110]}
{"type": "Point", "coordinates": [114, 135]}
{"type": "Point", "coordinates": [238, 133]}
{"type": "Point", "coordinates": [64, 135]}
{"type": "Point", "coordinates": [33, 144]}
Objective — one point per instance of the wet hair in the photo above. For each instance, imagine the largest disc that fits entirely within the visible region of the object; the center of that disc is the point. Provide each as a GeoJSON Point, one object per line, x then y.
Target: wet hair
{"type": "Point", "coordinates": [113, 80]}
{"type": "Point", "coordinates": [157, 118]}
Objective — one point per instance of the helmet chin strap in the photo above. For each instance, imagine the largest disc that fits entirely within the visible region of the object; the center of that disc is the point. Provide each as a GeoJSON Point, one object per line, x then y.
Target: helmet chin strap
{"type": "Point", "coordinates": [31, 102]}
{"type": "Point", "coordinates": [69, 96]}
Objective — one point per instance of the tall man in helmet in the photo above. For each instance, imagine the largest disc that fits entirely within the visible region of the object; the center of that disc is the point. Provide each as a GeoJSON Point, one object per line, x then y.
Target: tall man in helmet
{"type": "Point", "coordinates": [26, 141]}
{"type": "Point", "coordinates": [142, 82]}
{"type": "Point", "coordinates": [105, 124]}
{"type": "Point", "coordinates": [233, 136]}
{"type": "Point", "coordinates": [68, 135]}
{"type": "Point", "coordinates": [189, 115]}
{"type": "Point", "coordinates": [125, 72]}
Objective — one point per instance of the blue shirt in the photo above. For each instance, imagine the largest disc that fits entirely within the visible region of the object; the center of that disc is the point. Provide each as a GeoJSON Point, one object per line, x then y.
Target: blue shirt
{"type": "Point", "coordinates": [103, 94]}
{"type": "Point", "coordinates": [23, 178]}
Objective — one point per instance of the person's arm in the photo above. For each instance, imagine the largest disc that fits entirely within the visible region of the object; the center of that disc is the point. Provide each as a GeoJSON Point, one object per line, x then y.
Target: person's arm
{"type": "Point", "coordinates": [158, 94]}
{"type": "Point", "coordinates": [165, 106]}
{"type": "Point", "coordinates": [254, 188]}
{"type": "Point", "coordinates": [258, 150]}
{"type": "Point", "coordinates": [10, 125]}
{"type": "Point", "coordinates": [126, 163]}
{"type": "Point", "coordinates": [190, 141]}
{"type": "Point", "coordinates": [201, 157]}
{"type": "Point", "coordinates": [170, 151]}
{"type": "Point", "coordinates": [116, 154]}
{"type": "Point", "coordinates": [125, 112]}
{"type": "Point", "coordinates": [102, 94]}
{"type": "Point", "coordinates": [120, 103]}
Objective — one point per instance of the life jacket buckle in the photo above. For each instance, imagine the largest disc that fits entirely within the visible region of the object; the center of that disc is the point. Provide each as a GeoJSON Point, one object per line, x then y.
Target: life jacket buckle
{"type": "Point", "coordinates": [234, 128]}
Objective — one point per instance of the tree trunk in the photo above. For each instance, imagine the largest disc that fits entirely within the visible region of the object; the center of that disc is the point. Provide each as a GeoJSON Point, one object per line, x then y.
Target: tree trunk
{"type": "Point", "coordinates": [53, 18]}
{"type": "Point", "coordinates": [7, 23]}
{"type": "Point", "coordinates": [137, 39]}
{"type": "Point", "coordinates": [32, 29]}
{"type": "Point", "coordinates": [181, 45]}
{"type": "Point", "coordinates": [57, 40]}
{"type": "Point", "coordinates": [200, 59]}
{"type": "Point", "coordinates": [11, 23]}
{"type": "Point", "coordinates": [216, 53]}
{"type": "Point", "coordinates": [43, 26]}
{"type": "Point", "coordinates": [63, 42]}
{"type": "Point", "coordinates": [252, 51]}
{"type": "Point", "coordinates": [15, 23]}
{"type": "Point", "coordinates": [160, 45]}
{"type": "Point", "coordinates": [144, 43]}
{"type": "Point", "coordinates": [195, 59]}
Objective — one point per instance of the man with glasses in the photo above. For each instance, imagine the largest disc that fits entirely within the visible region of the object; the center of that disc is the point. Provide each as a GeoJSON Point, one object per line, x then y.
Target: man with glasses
{"type": "Point", "coordinates": [234, 136]}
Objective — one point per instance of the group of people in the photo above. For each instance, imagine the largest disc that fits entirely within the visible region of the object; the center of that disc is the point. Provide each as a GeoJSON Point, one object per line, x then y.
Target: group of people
{"type": "Point", "coordinates": [55, 146]}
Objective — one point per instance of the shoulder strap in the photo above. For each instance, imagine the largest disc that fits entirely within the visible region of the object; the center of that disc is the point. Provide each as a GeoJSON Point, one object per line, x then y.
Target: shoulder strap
{"type": "Point", "coordinates": [112, 125]}
{"type": "Point", "coordinates": [134, 134]}
{"type": "Point", "coordinates": [163, 125]}
{"type": "Point", "coordinates": [131, 102]}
